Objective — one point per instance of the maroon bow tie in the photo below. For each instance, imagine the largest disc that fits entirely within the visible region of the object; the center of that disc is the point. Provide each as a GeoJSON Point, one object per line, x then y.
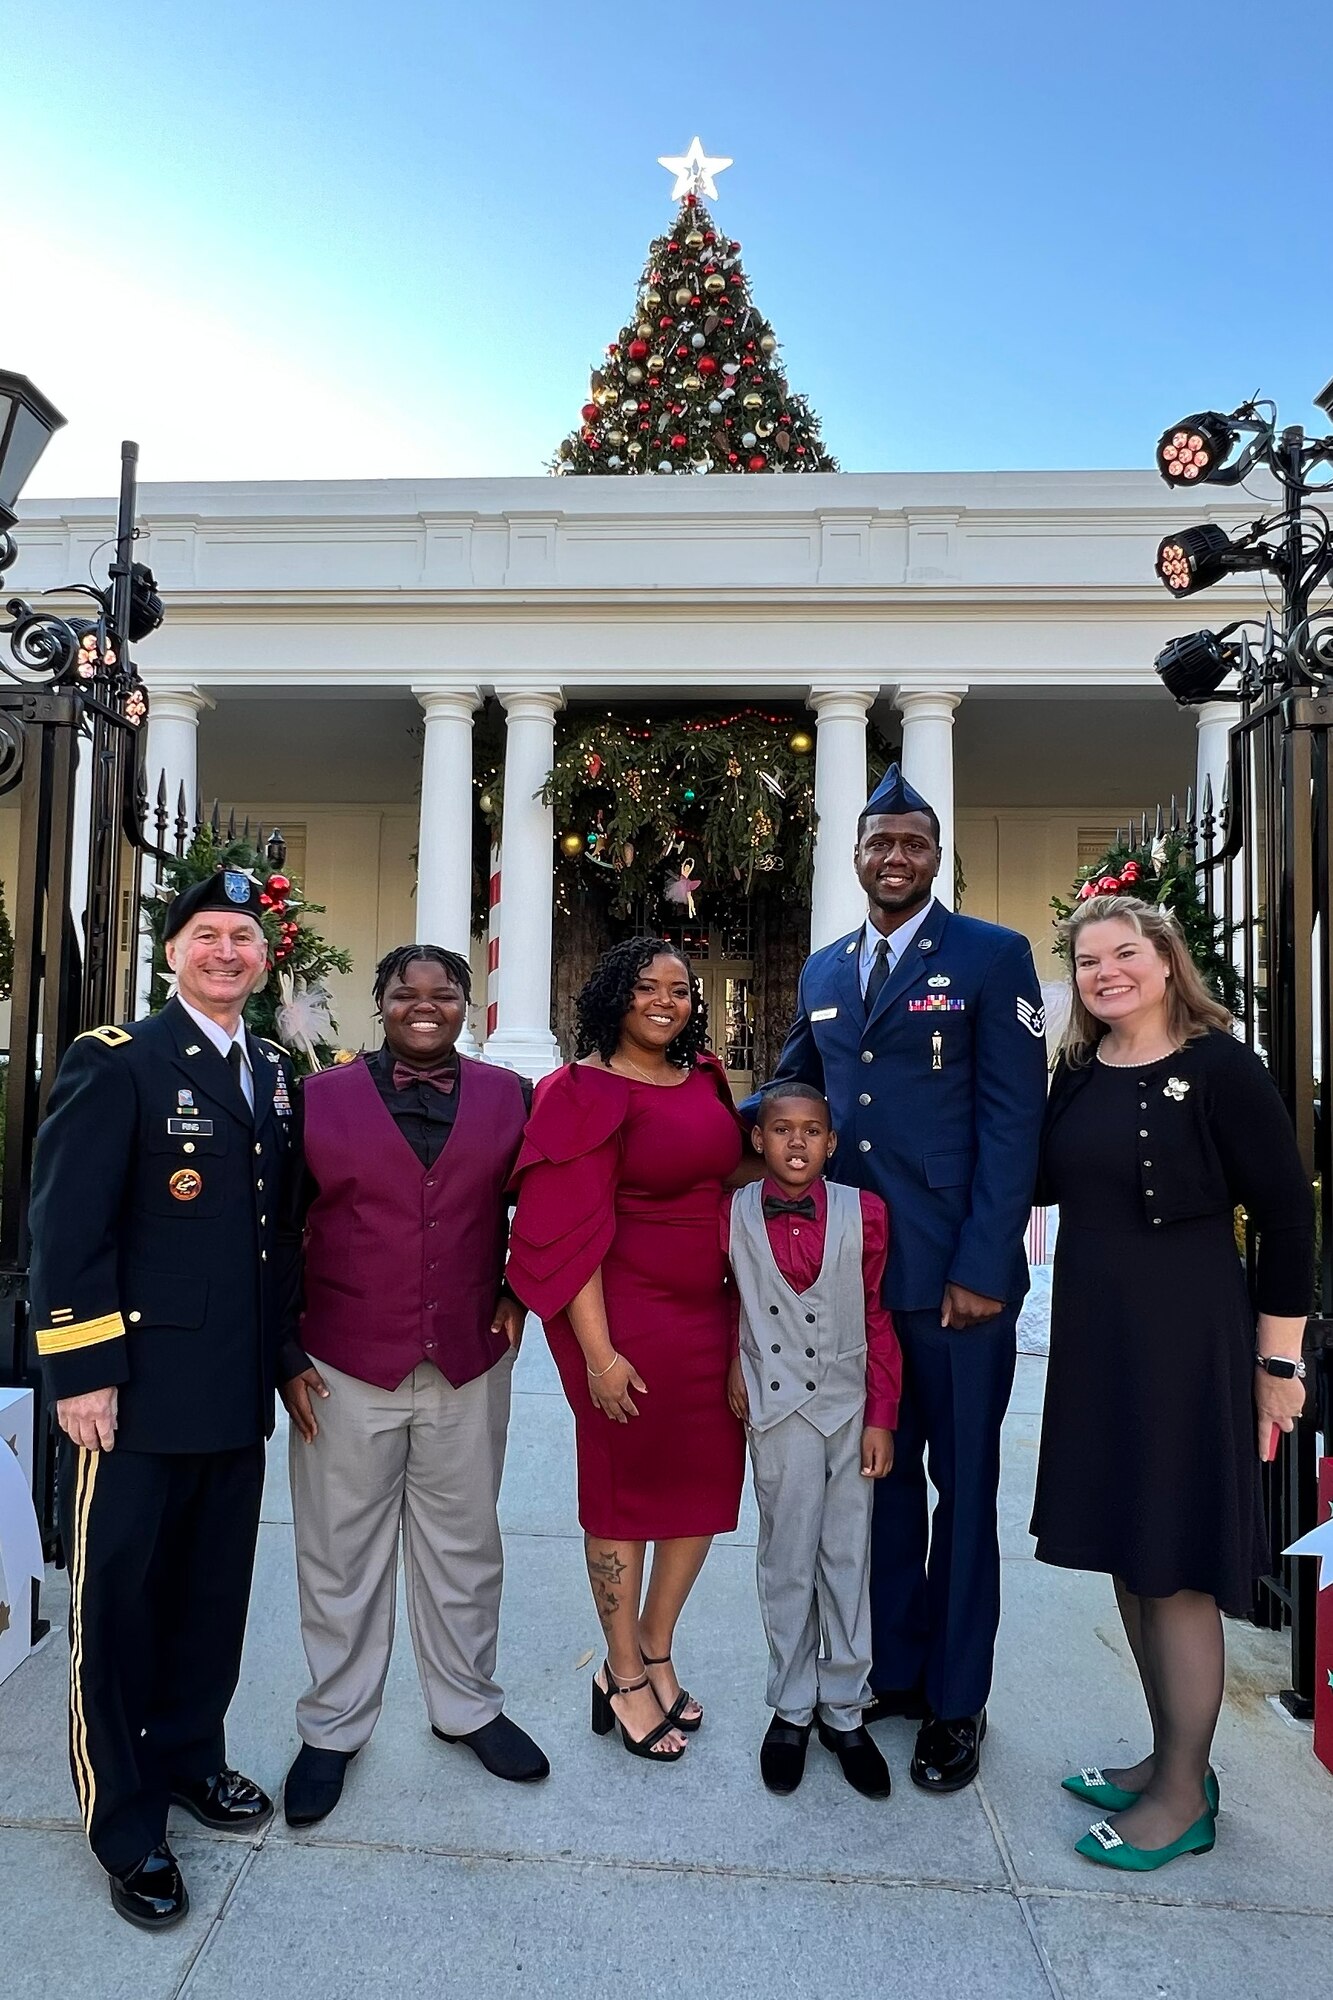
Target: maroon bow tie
{"type": "Point", "coordinates": [441, 1078]}
{"type": "Point", "coordinates": [803, 1205]}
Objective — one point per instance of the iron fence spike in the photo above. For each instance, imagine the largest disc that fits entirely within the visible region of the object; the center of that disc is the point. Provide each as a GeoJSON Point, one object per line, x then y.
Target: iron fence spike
{"type": "Point", "coordinates": [231, 824]}
{"type": "Point", "coordinates": [215, 821]}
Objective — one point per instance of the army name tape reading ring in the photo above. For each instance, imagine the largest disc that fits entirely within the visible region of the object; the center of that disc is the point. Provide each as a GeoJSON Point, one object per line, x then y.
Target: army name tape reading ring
{"type": "Point", "coordinates": [185, 1183]}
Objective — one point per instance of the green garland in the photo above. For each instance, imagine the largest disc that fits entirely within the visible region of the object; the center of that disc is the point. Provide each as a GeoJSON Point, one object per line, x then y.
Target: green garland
{"type": "Point", "coordinates": [298, 948]}
{"type": "Point", "coordinates": [1162, 871]}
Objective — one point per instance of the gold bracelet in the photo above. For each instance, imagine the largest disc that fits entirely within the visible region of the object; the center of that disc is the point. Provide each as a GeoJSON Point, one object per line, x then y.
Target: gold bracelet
{"type": "Point", "coordinates": [595, 1374]}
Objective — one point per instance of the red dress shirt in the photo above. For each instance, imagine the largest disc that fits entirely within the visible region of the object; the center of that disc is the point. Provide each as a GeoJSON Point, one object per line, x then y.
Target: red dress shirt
{"type": "Point", "coordinates": [798, 1250]}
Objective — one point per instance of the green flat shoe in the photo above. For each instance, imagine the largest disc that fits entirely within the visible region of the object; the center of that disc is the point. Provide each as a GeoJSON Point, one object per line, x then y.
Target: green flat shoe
{"type": "Point", "coordinates": [1097, 1790]}
{"type": "Point", "coordinates": [1102, 1844]}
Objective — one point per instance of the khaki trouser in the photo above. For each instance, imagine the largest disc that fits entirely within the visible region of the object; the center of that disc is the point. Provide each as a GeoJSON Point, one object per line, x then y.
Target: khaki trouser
{"type": "Point", "coordinates": [428, 1457]}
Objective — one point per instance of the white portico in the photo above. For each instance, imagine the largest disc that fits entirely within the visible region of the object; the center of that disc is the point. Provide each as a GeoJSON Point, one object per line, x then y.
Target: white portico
{"type": "Point", "coordinates": [331, 648]}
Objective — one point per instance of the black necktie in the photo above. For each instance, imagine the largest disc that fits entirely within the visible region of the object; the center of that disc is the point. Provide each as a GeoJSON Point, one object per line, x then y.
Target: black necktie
{"type": "Point", "coordinates": [803, 1205]}
{"type": "Point", "coordinates": [879, 973]}
{"type": "Point", "coordinates": [237, 1065]}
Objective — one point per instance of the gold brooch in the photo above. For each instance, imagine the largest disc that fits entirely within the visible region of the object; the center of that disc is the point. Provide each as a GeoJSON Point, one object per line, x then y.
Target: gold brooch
{"type": "Point", "coordinates": [1175, 1088]}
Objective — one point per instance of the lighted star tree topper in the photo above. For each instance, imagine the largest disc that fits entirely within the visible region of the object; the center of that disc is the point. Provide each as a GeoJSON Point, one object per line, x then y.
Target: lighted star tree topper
{"type": "Point", "coordinates": [693, 381]}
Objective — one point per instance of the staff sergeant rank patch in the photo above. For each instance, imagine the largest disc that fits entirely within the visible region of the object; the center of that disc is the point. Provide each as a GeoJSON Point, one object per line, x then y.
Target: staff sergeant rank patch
{"type": "Point", "coordinates": [1030, 1017]}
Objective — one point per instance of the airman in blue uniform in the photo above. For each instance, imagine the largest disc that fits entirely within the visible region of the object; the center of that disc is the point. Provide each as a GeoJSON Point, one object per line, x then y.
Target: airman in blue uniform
{"type": "Point", "coordinates": [925, 1031]}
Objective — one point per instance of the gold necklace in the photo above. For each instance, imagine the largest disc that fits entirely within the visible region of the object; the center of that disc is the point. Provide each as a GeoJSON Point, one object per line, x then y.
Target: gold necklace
{"type": "Point", "coordinates": [659, 1083]}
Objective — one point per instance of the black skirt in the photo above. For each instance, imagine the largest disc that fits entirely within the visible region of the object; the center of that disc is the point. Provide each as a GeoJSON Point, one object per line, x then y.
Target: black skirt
{"type": "Point", "coordinates": [1149, 1466]}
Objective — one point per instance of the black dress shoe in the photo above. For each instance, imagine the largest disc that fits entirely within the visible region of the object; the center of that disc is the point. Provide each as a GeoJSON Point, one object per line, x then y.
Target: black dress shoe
{"type": "Point", "coordinates": [782, 1755]}
{"type": "Point", "coordinates": [152, 1896]}
{"type": "Point", "coordinates": [862, 1765]}
{"type": "Point", "coordinates": [506, 1750]}
{"type": "Point", "coordinates": [885, 1702]}
{"type": "Point", "coordinates": [948, 1754]}
{"type": "Point", "coordinates": [314, 1784]}
{"type": "Point", "coordinates": [226, 1802]}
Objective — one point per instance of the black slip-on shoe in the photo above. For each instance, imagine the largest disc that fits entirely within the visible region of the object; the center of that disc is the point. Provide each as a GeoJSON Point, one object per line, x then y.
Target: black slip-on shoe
{"type": "Point", "coordinates": [862, 1763]}
{"type": "Point", "coordinates": [782, 1755]}
{"type": "Point", "coordinates": [948, 1753]}
{"type": "Point", "coordinates": [314, 1784]}
{"type": "Point", "coordinates": [506, 1750]}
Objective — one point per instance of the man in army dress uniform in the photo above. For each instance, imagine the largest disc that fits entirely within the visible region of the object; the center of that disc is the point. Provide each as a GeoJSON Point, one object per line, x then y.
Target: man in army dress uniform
{"type": "Point", "coordinates": [157, 1262]}
{"type": "Point", "coordinates": [925, 1031]}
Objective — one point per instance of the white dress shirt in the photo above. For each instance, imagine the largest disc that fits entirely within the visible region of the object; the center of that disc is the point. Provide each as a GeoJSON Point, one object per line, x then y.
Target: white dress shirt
{"type": "Point", "coordinates": [223, 1043]}
{"type": "Point", "coordinates": [898, 942]}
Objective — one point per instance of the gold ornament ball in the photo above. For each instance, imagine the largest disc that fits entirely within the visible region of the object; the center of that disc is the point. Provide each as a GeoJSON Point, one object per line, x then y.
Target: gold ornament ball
{"type": "Point", "coordinates": [644, 330]}
{"type": "Point", "coordinates": [692, 382]}
{"type": "Point", "coordinates": [765, 429]}
{"type": "Point", "coordinates": [634, 450]}
{"type": "Point", "coordinates": [634, 374]}
{"type": "Point", "coordinates": [652, 300]}
{"type": "Point", "coordinates": [683, 295]}
{"type": "Point", "coordinates": [615, 437]}
{"type": "Point", "coordinates": [801, 742]}
{"type": "Point", "coordinates": [754, 401]}
{"type": "Point", "coordinates": [717, 283]}
{"type": "Point", "coordinates": [656, 363]}
{"type": "Point", "coordinates": [767, 343]}
{"type": "Point", "coordinates": [487, 803]}
{"type": "Point", "coordinates": [695, 240]}
{"type": "Point", "coordinates": [571, 845]}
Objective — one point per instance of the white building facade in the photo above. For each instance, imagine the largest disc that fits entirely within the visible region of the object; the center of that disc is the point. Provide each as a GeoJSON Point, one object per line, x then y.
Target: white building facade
{"type": "Point", "coordinates": [329, 645]}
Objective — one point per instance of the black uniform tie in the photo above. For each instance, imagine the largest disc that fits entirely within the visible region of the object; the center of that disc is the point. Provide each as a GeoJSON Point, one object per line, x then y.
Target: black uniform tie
{"type": "Point", "coordinates": [879, 973]}
{"type": "Point", "coordinates": [236, 1063]}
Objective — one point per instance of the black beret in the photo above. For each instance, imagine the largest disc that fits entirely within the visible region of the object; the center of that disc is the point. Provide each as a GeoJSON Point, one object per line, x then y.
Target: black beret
{"type": "Point", "coordinates": [229, 889]}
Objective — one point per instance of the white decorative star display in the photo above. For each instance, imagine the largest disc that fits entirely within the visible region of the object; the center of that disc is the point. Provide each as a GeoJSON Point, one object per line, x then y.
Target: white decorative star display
{"type": "Point", "coordinates": [695, 172]}
{"type": "Point", "coordinates": [1319, 1542]}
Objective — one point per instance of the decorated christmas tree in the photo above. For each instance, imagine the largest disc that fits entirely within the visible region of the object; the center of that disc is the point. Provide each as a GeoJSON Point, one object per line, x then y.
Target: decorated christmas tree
{"type": "Point", "coordinates": [693, 382]}
{"type": "Point", "coordinates": [293, 1007]}
{"type": "Point", "coordinates": [1159, 868]}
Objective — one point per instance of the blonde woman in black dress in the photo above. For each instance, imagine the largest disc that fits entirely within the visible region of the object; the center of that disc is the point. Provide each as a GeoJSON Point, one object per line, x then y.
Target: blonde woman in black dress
{"type": "Point", "coordinates": [1167, 1381]}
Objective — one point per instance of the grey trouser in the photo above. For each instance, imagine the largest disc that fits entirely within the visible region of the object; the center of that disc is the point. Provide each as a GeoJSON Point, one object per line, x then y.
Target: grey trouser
{"type": "Point", "coordinates": [814, 1569]}
{"type": "Point", "coordinates": [428, 1457]}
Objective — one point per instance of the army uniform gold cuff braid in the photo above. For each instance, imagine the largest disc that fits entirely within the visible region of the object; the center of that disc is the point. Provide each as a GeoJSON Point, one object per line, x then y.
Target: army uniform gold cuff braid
{"type": "Point", "coordinates": [64, 1336]}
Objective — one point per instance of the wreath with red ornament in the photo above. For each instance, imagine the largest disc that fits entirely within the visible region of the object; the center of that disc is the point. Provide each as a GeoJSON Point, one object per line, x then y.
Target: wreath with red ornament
{"type": "Point", "coordinates": [1161, 870]}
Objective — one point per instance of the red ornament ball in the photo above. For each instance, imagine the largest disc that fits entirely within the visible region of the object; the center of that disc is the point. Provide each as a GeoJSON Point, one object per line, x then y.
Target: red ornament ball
{"type": "Point", "coordinates": [709, 236]}
{"type": "Point", "coordinates": [690, 201]}
{"type": "Point", "coordinates": [278, 885]}
{"type": "Point", "coordinates": [613, 347]}
{"type": "Point", "coordinates": [681, 352]}
{"type": "Point", "coordinates": [265, 901]}
{"type": "Point", "coordinates": [679, 441]}
{"type": "Point", "coordinates": [696, 301]}
{"type": "Point", "coordinates": [733, 458]}
{"type": "Point", "coordinates": [589, 413]}
{"type": "Point", "coordinates": [758, 462]}
{"type": "Point", "coordinates": [666, 320]}
{"type": "Point", "coordinates": [638, 350]}
{"type": "Point", "coordinates": [800, 451]}
{"type": "Point", "coordinates": [706, 365]}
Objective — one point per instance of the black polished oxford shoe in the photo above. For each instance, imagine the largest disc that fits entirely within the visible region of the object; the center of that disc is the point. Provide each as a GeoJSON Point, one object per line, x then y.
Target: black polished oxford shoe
{"type": "Point", "coordinates": [225, 1803]}
{"type": "Point", "coordinates": [506, 1750]}
{"type": "Point", "coordinates": [886, 1702]}
{"type": "Point", "coordinates": [314, 1784]}
{"type": "Point", "coordinates": [152, 1896]}
{"type": "Point", "coordinates": [948, 1754]}
{"type": "Point", "coordinates": [782, 1755]}
{"type": "Point", "coordinates": [859, 1755]}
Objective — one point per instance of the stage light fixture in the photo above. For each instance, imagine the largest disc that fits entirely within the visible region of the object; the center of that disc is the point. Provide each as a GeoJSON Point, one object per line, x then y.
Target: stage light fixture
{"type": "Point", "coordinates": [1193, 667]}
{"type": "Point", "coordinates": [1194, 558]}
{"type": "Point", "coordinates": [1196, 449]}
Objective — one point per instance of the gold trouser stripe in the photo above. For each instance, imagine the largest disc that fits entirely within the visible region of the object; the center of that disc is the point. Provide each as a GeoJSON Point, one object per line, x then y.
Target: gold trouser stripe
{"type": "Point", "coordinates": [83, 1333]}
{"type": "Point", "coordinates": [84, 1780]}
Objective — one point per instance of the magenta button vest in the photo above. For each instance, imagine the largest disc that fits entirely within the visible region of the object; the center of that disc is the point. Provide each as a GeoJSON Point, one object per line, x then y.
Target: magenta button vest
{"type": "Point", "coordinates": [402, 1262]}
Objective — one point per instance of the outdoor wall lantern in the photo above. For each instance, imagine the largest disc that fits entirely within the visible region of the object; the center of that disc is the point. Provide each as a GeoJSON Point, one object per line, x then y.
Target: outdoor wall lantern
{"type": "Point", "coordinates": [28, 422]}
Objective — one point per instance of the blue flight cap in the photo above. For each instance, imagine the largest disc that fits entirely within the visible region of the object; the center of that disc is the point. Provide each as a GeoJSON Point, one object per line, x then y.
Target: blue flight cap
{"type": "Point", "coordinates": [893, 794]}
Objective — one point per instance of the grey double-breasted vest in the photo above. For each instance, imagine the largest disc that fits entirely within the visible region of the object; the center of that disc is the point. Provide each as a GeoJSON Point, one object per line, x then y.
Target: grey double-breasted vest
{"type": "Point", "coordinates": [801, 1351]}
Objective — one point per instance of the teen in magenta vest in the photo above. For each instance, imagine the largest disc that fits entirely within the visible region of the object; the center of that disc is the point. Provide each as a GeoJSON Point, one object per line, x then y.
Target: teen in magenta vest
{"type": "Point", "coordinates": [406, 1340]}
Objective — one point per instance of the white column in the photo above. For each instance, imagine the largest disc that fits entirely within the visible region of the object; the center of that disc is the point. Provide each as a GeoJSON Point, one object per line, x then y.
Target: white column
{"type": "Point", "coordinates": [837, 901]}
{"type": "Point", "coordinates": [1215, 720]}
{"type": "Point", "coordinates": [523, 1038]}
{"type": "Point", "coordinates": [173, 752]}
{"type": "Point", "coordinates": [444, 844]}
{"type": "Point", "coordinates": [927, 760]}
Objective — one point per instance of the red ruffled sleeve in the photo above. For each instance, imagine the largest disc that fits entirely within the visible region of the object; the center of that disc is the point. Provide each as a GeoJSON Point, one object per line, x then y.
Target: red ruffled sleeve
{"type": "Point", "coordinates": [565, 1177]}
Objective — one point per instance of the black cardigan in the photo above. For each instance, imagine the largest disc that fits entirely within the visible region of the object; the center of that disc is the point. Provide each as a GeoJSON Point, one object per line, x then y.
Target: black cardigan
{"type": "Point", "coordinates": [1224, 1139]}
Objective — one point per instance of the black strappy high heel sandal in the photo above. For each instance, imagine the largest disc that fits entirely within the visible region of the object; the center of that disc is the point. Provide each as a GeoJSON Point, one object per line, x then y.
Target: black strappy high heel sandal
{"type": "Point", "coordinates": [676, 1715]}
{"type": "Point", "coordinates": [604, 1719]}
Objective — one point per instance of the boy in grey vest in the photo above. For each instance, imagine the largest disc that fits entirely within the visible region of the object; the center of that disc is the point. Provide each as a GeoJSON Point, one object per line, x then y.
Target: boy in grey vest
{"type": "Point", "coordinates": [816, 1378]}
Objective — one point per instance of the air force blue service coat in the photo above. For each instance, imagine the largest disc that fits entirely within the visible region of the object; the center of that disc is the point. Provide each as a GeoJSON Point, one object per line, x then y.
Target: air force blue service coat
{"type": "Point", "coordinates": [937, 1098]}
{"type": "Point", "coordinates": [158, 1242]}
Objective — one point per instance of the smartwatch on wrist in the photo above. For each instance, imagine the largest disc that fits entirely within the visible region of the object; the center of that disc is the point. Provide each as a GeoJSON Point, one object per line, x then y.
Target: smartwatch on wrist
{"type": "Point", "coordinates": [1281, 1366]}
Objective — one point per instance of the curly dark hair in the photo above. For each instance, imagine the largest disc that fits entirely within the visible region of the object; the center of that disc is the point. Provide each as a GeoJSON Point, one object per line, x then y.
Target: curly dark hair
{"type": "Point", "coordinates": [605, 1001]}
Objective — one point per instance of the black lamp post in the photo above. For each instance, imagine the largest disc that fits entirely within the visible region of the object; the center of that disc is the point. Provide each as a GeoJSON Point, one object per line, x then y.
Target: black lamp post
{"type": "Point", "coordinates": [28, 422]}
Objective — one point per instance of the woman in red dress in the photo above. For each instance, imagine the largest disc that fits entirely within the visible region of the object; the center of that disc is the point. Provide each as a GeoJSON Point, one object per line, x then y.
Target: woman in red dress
{"type": "Point", "coordinates": [615, 1246]}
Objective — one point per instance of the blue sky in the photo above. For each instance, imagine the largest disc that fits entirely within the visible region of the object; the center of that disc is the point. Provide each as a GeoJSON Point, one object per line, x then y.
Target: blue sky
{"type": "Point", "coordinates": [309, 240]}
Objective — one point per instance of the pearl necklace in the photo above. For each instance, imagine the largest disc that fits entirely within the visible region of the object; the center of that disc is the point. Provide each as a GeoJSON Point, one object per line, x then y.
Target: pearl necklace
{"type": "Point", "coordinates": [1106, 1062]}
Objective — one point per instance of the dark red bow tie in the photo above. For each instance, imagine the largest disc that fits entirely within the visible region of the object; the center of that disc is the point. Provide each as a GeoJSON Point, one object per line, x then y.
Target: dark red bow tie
{"type": "Point", "coordinates": [803, 1205]}
{"type": "Point", "coordinates": [442, 1077]}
